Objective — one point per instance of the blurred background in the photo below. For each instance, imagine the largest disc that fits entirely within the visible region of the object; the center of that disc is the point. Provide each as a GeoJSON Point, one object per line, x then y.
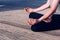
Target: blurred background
{"type": "Point", "coordinates": [20, 4]}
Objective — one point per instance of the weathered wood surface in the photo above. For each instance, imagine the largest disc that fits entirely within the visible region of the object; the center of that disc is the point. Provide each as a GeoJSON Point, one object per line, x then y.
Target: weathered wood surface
{"type": "Point", "coordinates": [8, 32]}
{"type": "Point", "coordinates": [11, 28]}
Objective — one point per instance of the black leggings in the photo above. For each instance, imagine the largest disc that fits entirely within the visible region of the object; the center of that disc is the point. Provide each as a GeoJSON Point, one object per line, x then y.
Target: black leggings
{"type": "Point", "coordinates": [42, 26]}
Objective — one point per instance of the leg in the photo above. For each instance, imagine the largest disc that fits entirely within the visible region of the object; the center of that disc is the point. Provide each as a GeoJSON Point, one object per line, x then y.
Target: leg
{"type": "Point", "coordinates": [35, 15]}
{"type": "Point", "coordinates": [39, 26]}
{"type": "Point", "coordinates": [42, 26]}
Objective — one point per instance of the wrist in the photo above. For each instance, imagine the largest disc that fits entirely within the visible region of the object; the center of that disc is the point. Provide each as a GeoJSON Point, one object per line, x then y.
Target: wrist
{"type": "Point", "coordinates": [39, 20]}
{"type": "Point", "coordinates": [34, 10]}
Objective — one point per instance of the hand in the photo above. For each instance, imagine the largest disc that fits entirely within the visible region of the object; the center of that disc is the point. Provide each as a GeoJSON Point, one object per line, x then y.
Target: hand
{"type": "Point", "coordinates": [32, 21]}
{"type": "Point", "coordinates": [28, 10]}
{"type": "Point", "coordinates": [48, 20]}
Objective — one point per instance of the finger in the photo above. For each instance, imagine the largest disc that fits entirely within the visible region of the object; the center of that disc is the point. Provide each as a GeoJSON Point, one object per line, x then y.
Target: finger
{"type": "Point", "coordinates": [45, 21]}
{"type": "Point", "coordinates": [26, 9]}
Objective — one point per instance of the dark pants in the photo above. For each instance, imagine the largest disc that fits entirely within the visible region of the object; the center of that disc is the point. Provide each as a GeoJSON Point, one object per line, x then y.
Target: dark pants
{"type": "Point", "coordinates": [42, 26]}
